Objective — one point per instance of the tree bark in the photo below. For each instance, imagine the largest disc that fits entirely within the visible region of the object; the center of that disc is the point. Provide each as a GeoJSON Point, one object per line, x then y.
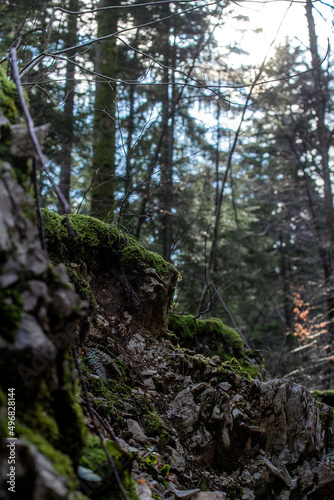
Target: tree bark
{"type": "Point", "coordinates": [106, 63]}
{"type": "Point", "coordinates": [166, 160]}
{"type": "Point", "coordinates": [68, 131]}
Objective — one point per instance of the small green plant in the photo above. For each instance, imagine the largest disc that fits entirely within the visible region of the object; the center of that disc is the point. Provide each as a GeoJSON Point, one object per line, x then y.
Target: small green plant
{"type": "Point", "coordinates": [95, 357]}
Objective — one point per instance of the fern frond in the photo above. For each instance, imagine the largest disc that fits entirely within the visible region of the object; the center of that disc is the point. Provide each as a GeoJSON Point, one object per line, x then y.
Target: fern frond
{"type": "Point", "coordinates": [95, 363]}
{"type": "Point", "coordinates": [102, 355]}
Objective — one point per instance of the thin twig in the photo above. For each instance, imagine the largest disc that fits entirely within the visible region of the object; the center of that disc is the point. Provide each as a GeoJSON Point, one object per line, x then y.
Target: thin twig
{"type": "Point", "coordinates": [31, 131]}
{"type": "Point", "coordinates": [309, 367]}
{"type": "Point", "coordinates": [93, 414]}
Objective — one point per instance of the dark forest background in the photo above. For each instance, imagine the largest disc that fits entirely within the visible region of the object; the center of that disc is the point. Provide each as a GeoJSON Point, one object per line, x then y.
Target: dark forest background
{"type": "Point", "coordinates": [221, 166]}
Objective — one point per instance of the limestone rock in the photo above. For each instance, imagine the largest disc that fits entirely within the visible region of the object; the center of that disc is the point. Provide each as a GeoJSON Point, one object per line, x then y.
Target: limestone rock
{"type": "Point", "coordinates": [214, 495]}
{"type": "Point", "coordinates": [143, 490]}
{"type": "Point", "coordinates": [186, 494]}
{"type": "Point", "coordinates": [136, 431]}
{"type": "Point", "coordinates": [291, 421]}
{"type": "Point", "coordinates": [185, 407]}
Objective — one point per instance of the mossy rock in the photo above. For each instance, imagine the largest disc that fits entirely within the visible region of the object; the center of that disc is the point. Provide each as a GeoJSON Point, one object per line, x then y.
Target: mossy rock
{"type": "Point", "coordinates": [192, 332]}
{"type": "Point", "coordinates": [214, 327]}
{"type": "Point", "coordinates": [10, 311]}
{"type": "Point", "coordinates": [326, 396]}
{"type": "Point", "coordinates": [184, 326]}
{"type": "Point", "coordinates": [92, 237]}
{"type": "Point", "coordinates": [9, 100]}
{"type": "Point", "coordinates": [9, 107]}
{"type": "Point", "coordinates": [60, 461]}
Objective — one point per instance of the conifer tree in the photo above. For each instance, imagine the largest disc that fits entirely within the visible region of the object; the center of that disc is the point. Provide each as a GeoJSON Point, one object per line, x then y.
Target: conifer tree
{"type": "Point", "coordinates": [106, 63]}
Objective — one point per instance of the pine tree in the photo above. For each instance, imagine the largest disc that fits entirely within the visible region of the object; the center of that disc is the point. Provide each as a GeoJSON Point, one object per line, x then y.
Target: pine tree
{"type": "Point", "coordinates": [106, 63]}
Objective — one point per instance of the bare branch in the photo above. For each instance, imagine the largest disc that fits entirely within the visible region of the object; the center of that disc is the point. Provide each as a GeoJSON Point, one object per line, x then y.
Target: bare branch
{"type": "Point", "coordinates": [32, 134]}
{"type": "Point", "coordinates": [34, 61]}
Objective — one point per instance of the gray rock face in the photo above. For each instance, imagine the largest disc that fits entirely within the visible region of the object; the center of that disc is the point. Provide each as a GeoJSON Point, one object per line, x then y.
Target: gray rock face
{"type": "Point", "coordinates": [136, 431]}
{"type": "Point", "coordinates": [37, 309]}
{"type": "Point", "coordinates": [242, 436]}
{"type": "Point", "coordinates": [291, 421]}
{"type": "Point", "coordinates": [35, 477]}
{"type": "Point", "coordinates": [185, 407]}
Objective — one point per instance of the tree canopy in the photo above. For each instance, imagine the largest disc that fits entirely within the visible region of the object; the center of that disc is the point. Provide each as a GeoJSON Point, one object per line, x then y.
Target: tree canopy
{"type": "Point", "coordinates": [168, 128]}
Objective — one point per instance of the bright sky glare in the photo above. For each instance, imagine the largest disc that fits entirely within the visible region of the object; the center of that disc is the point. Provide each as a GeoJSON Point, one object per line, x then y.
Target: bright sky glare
{"type": "Point", "coordinates": [282, 17]}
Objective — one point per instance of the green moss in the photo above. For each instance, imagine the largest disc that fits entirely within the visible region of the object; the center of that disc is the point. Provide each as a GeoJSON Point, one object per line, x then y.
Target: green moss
{"type": "Point", "coordinates": [57, 417]}
{"type": "Point", "coordinates": [110, 398]}
{"type": "Point", "coordinates": [153, 423]}
{"type": "Point", "coordinates": [183, 325]}
{"type": "Point", "coordinates": [9, 101]}
{"type": "Point", "coordinates": [155, 260]}
{"type": "Point", "coordinates": [234, 491]}
{"type": "Point", "coordinates": [241, 368]}
{"type": "Point", "coordinates": [92, 236]}
{"type": "Point", "coordinates": [92, 231]}
{"type": "Point", "coordinates": [165, 470]}
{"type": "Point", "coordinates": [132, 255]}
{"type": "Point", "coordinates": [189, 329]}
{"type": "Point", "coordinates": [326, 396]}
{"type": "Point", "coordinates": [44, 424]}
{"type": "Point", "coordinates": [10, 105]}
{"type": "Point", "coordinates": [10, 311]}
{"type": "Point", "coordinates": [61, 462]}
{"type": "Point", "coordinates": [215, 327]}
{"type": "Point", "coordinates": [95, 459]}
{"type": "Point", "coordinates": [82, 287]}
{"type": "Point", "coordinates": [70, 420]}
{"type": "Point", "coordinates": [94, 456]}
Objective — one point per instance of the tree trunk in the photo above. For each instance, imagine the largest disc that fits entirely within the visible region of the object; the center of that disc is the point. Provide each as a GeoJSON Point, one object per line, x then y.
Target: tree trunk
{"type": "Point", "coordinates": [68, 131]}
{"type": "Point", "coordinates": [166, 203]}
{"type": "Point", "coordinates": [106, 63]}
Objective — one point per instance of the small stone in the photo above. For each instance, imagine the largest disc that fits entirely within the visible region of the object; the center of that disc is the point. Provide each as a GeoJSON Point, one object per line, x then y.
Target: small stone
{"type": "Point", "coordinates": [225, 386]}
{"type": "Point", "coordinates": [8, 279]}
{"type": "Point", "coordinates": [149, 372]}
{"type": "Point", "coordinates": [176, 460]}
{"type": "Point", "coordinates": [136, 431]}
{"type": "Point", "coordinates": [256, 430]}
{"type": "Point", "coordinates": [186, 494]}
{"type": "Point", "coordinates": [149, 384]}
{"type": "Point", "coordinates": [143, 490]}
{"type": "Point", "coordinates": [211, 495]}
{"type": "Point", "coordinates": [185, 407]}
{"type": "Point", "coordinates": [248, 494]}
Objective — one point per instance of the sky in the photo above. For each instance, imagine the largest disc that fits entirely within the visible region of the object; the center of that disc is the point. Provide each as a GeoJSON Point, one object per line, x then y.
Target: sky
{"type": "Point", "coordinates": [278, 20]}
{"type": "Point", "coordinates": [281, 18]}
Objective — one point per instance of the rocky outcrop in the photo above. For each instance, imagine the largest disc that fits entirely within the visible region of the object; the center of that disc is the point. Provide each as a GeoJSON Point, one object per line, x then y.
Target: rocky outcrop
{"type": "Point", "coordinates": [39, 309]}
{"type": "Point", "coordinates": [243, 438]}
